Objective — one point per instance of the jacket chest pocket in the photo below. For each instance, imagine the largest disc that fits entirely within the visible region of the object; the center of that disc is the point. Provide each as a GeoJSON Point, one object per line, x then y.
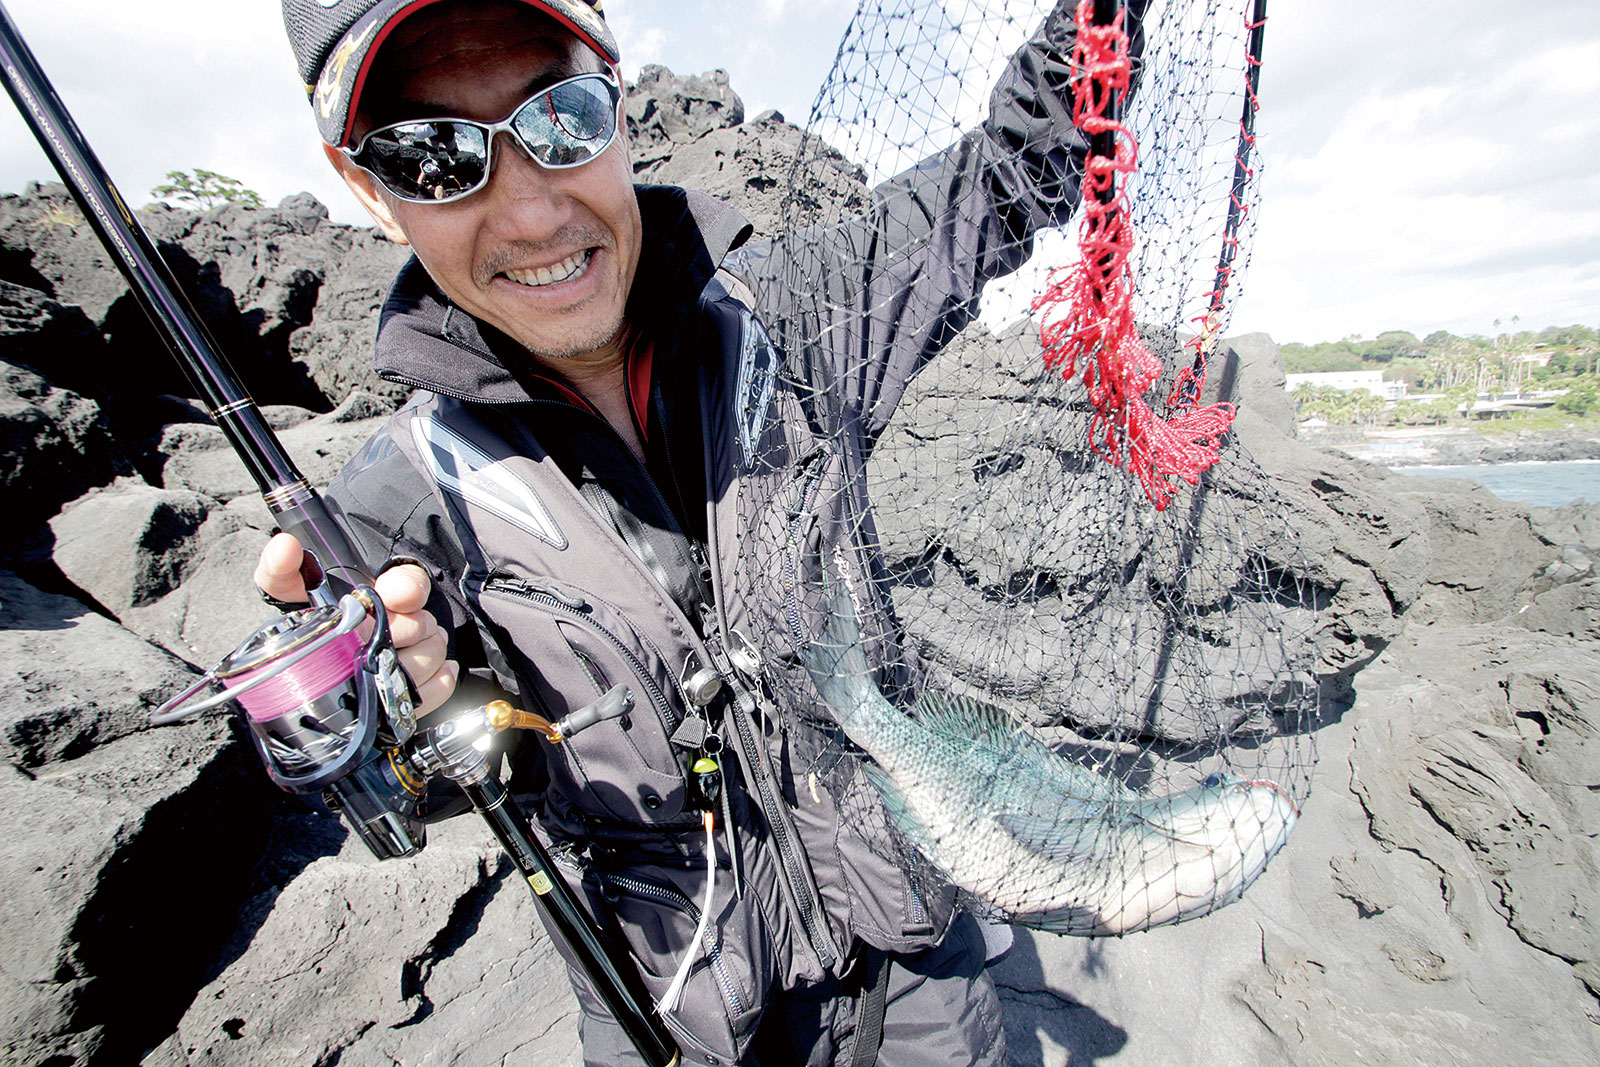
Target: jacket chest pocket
{"type": "Point", "coordinates": [567, 649]}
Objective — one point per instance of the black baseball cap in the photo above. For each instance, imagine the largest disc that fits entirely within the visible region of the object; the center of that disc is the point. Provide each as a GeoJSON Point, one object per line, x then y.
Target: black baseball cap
{"type": "Point", "coordinates": [334, 42]}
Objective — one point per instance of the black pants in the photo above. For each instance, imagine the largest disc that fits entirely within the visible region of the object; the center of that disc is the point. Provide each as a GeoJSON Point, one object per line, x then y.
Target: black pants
{"type": "Point", "coordinates": [941, 1011]}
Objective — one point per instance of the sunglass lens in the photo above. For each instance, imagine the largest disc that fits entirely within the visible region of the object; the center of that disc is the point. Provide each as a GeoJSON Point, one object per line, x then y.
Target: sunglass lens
{"type": "Point", "coordinates": [428, 160]}
{"type": "Point", "coordinates": [571, 123]}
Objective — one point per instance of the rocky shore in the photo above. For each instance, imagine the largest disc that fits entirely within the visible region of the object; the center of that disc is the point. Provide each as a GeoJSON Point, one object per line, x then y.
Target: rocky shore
{"type": "Point", "coordinates": [1460, 446]}
{"type": "Point", "coordinates": [1439, 903]}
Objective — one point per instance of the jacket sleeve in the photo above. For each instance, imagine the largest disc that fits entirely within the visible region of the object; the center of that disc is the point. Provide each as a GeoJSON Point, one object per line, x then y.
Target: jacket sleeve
{"type": "Point", "coordinates": [859, 306]}
{"type": "Point", "coordinates": [391, 511]}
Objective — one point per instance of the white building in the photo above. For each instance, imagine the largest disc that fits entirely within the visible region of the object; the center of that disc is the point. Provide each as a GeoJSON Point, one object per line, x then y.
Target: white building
{"type": "Point", "coordinates": [1349, 381]}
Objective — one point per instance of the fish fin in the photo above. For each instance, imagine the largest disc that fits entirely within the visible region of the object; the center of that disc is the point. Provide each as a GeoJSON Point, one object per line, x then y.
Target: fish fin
{"type": "Point", "coordinates": [959, 716]}
{"type": "Point", "coordinates": [1055, 836]}
{"type": "Point", "coordinates": [1072, 919]}
{"type": "Point", "coordinates": [994, 729]}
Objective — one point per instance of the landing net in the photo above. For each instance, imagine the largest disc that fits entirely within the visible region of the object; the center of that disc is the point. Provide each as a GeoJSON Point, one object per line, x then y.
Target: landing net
{"type": "Point", "coordinates": [1107, 664]}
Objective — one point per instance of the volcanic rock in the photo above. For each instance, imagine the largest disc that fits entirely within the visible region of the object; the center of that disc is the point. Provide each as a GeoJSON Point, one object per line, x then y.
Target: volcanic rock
{"type": "Point", "coordinates": [665, 109]}
{"type": "Point", "coordinates": [71, 679]}
{"type": "Point", "coordinates": [443, 964]}
{"type": "Point", "coordinates": [54, 445]}
{"type": "Point", "coordinates": [1486, 553]}
{"type": "Point", "coordinates": [129, 544]}
{"type": "Point", "coordinates": [115, 832]}
{"type": "Point", "coordinates": [199, 459]}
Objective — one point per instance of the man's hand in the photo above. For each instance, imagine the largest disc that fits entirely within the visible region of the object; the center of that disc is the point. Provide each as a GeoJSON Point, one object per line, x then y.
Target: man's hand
{"type": "Point", "coordinates": [404, 592]}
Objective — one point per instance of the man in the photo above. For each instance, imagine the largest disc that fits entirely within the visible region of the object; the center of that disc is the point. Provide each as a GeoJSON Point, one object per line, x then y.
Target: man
{"type": "Point", "coordinates": [610, 475]}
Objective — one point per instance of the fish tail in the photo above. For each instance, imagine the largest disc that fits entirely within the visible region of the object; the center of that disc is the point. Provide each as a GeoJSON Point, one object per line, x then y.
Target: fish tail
{"type": "Point", "coordinates": [835, 658]}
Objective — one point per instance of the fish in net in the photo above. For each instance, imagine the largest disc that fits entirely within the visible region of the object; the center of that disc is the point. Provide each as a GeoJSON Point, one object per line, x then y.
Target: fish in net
{"type": "Point", "coordinates": [1007, 552]}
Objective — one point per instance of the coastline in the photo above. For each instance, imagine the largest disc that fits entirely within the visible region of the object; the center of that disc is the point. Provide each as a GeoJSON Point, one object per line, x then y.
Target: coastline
{"type": "Point", "coordinates": [1427, 447]}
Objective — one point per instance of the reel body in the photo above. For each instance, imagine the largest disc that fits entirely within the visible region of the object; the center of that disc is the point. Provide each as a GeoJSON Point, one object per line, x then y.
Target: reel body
{"type": "Point", "coordinates": [327, 712]}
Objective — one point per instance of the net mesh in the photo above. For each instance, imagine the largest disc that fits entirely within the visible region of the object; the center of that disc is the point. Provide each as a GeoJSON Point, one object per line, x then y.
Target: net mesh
{"type": "Point", "coordinates": [1088, 712]}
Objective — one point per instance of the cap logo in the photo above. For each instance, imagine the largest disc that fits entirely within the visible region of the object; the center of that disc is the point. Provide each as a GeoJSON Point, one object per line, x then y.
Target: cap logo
{"type": "Point", "coordinates": [583, 13]}
{"type": "Point", "coordinates": [328, 86]}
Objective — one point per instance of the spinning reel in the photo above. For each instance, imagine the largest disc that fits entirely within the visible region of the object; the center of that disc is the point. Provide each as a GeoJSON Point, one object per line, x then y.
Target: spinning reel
{"type": "Point", "coordinates": [331, 712]}
{"type": "Point", "coordinates": [327, 712]}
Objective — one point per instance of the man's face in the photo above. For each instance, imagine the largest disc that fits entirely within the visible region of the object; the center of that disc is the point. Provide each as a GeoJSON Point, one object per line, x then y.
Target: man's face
{"type": "Point", "coordinates": [545, 256]}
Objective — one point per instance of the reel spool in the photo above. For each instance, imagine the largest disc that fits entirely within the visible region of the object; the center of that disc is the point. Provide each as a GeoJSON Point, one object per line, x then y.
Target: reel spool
{"type": "Point", "coordinates": [327, 712]}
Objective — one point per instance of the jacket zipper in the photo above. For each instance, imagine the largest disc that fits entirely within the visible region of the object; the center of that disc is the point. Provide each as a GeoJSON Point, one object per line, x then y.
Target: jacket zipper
{"type": "Point", "coordinates": [779, 824]}
{"type": "Point", "coordinates": [670, 896]}
{"type": "Point", "coordinates": [518, 588]}
{"type": "Point", "coordinates": [697, 554]}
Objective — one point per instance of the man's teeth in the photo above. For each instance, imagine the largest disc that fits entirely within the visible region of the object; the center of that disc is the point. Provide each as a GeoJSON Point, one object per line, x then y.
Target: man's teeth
{"type": "Point", "coordinates": [560, 272]}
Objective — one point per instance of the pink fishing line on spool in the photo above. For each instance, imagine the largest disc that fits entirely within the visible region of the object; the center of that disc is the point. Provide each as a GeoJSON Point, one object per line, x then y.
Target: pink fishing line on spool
{"type": "Point", "coordinates": [324, 670]}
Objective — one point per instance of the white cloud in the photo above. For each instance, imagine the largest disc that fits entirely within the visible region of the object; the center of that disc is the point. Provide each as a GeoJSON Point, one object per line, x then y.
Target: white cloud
{"type": "Point", "coordinates": [1432, 164]}
{"type": "Point", "coordinates": [173, 85]}
{"type": "Point", "coordinates": [1428, 167]}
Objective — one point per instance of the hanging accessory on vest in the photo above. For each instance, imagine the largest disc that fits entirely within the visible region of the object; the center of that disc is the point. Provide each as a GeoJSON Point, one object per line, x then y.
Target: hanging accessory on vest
{"type": "Point", "coordinates": [708, 790]}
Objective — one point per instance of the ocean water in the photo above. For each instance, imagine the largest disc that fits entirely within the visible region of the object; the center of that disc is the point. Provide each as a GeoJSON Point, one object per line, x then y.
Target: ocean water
{"type": "Point", "coordinates": [1541, 485]}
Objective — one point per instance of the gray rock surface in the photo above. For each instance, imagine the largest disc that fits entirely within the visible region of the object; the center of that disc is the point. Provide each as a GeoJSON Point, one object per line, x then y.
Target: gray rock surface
{"type": "Point", "coordinates": [129, 544]}
{"type": "Point", "coordinates": [71, 680]}
{"type": "Point", "coordinates": [439, 962]}
{"type": "Point", "coordinates": [54, 445]}
{"type": "Point", "coordinates": [121, 839]}
{"type": "Point", "coordinates": [665, 109]}
{"type": "Point", "coordinates": [1454, 446]}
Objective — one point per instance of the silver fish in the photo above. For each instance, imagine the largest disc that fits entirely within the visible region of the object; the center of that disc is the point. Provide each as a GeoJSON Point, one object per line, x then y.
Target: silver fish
{"type": "Point", "coordinates": [1050, 843]}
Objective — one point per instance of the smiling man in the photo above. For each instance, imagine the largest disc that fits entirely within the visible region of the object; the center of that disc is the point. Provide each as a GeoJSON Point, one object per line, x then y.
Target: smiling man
{"type": "Point", "coordinates": [603, 467]}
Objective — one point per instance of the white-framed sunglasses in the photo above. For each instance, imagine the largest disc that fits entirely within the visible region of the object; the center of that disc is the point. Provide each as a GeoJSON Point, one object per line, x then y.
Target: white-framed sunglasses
{"type": "Point", "coordinates": [435, 161]}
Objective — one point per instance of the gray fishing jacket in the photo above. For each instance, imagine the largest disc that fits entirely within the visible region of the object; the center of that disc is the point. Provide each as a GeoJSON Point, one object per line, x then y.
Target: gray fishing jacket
{"type": "Point", "coordinates": [568, 567]}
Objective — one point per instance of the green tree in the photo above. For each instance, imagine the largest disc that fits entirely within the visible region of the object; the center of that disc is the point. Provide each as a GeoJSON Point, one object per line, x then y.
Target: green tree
{"type": "Point", "coordinates": [204, 190]}
{"type": "Point", "coordinates": [1579, 400]}
{"type": "Point", "coordinates": [1393, 344]}
{"type": "Point", "coordinates": [1366, 406]}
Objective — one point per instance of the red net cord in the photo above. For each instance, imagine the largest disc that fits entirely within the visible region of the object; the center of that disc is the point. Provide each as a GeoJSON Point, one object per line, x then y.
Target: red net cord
{"type": "Point", "coordinates": [1088, 326]}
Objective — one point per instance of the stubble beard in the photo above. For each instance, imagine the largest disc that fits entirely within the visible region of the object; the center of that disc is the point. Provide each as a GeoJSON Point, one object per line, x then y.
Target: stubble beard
{"type": "Point", "coordinates": [553, 345]}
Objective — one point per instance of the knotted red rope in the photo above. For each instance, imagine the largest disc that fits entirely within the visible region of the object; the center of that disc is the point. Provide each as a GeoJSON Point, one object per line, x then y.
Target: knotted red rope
{"type": "Point", "coordinates": [1088, 325]}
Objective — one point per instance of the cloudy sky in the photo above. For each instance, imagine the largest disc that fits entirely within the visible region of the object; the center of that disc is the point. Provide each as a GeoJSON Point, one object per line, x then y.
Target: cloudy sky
{"type": "Point", "coordinates": [1428, 165]}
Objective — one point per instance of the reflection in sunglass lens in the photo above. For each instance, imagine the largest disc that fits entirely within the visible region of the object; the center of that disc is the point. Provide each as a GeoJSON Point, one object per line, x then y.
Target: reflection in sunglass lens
{"type": "Point", "coordinates": [569, 124]}
{"type": "Point", "coordinates": [428, 160]}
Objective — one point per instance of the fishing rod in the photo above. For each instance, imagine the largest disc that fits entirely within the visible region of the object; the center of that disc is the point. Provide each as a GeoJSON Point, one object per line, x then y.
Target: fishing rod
{"type": "Point", "coordinates": [328, 710]}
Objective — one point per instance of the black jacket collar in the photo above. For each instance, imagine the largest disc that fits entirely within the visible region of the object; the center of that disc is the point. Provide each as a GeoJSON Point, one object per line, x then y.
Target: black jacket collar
{"type": "Point", "coordinates": [426, 342]}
